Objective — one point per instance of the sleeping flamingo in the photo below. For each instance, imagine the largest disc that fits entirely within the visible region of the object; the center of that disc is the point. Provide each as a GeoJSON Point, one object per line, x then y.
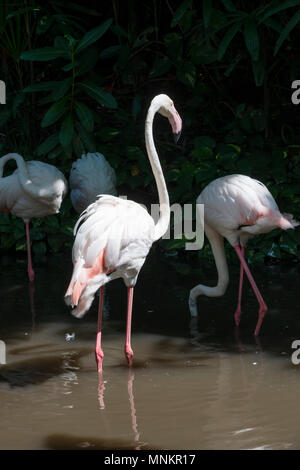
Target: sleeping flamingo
{"type": "Point", "coordinates": [34, 189]}
{"type": "Point", "coordinates": [116, 235]}
{"type": "Point", "coordinates": [237, 207]}
{"type": "Point", "coordinates": [90, 176]}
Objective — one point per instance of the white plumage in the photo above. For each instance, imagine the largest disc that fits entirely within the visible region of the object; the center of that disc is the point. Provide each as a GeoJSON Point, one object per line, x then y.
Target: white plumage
{"type": "Point", "coordinates": [34, 189]}
{"type": "Point", "coordinates": [114, 236]}
{"type": "Point", "coordinates": [90, 176]}
{"type": "Point", "coordinates": [124, 232]}
{"type": "Point", "coordinates": [237, 207]}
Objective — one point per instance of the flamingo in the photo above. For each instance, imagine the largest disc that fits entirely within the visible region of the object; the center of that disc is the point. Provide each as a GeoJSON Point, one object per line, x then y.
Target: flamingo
{"type": "Point", "coordinates": [90, 175]}
{"type": "Point", "coordinates": [237, 207]}
{"type": "Point", "coordinates": [34, 189]}
{"type": "Point", "coordinates": [114, 236]}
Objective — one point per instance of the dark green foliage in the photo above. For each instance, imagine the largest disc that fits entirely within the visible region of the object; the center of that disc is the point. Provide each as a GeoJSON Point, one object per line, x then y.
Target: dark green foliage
{"type": "Point", "coordinates": [80, 78]}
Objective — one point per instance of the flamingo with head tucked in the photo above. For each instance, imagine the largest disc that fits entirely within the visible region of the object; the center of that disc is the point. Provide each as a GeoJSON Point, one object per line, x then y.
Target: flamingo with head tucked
{"type": "Point", "coordinates": [114, 236]}
{"type": "Point", "coordinates": [237, 207]}
{"type": "Point", "coordinates": [34, 189]}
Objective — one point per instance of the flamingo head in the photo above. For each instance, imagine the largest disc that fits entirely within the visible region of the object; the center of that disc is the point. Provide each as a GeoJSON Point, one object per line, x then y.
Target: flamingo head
{"type": "Point", "coordinates": [165, 106]}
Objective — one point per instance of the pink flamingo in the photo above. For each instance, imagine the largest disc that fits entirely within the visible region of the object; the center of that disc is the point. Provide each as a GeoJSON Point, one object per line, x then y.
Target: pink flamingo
{"type": "Point", "coordinates": [116, 235]}
{"type": "Point", "coordinates": [237, 207]}
{"type": "Point", "coordinates": [34, 189]}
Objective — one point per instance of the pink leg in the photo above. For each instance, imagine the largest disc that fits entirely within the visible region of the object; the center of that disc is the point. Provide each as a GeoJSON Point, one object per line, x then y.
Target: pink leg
{"type": "Point", "coordinates": [128, 350]}
{"type": "Point", "coordinates": [98, 351]}
{"type": "Point", "coordinates": [29, 268]}
{"type": "Point", "coordinates": [239, 309]}
{"type": "Point", "coordinates": [262, 306]}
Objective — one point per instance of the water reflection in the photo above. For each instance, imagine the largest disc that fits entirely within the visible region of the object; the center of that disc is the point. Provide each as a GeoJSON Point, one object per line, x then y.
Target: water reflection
{"type": "Point", "coordinates": [228, 390]}
{"type": "Point", "coordinates": [130, 381]}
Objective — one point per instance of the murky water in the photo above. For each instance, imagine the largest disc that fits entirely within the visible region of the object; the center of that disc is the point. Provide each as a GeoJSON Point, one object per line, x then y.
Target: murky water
{"type": "Point", "coordinates": [198, 385]}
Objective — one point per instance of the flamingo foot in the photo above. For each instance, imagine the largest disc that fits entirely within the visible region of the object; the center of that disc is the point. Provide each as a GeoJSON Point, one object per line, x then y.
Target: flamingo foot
{"type": "Point", "coordinates": [129, 355]}
{"type": "Point", "coordinates": [261, 313]}
{"type": "Point", "coordinates": [237, 316]}
{"type": "Point", "coordinates": [99, 354]}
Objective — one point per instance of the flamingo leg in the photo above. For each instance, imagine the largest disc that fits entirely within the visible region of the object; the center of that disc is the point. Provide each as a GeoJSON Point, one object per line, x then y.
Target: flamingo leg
{"type": "Point", "coordinates": [29, 264]}
{"type": "Point", "coordinates": [239, 308]}
{"type": "Point", "coordinates": [128, 350]}
{"type": "Point", "coordinates": [262, 305]}
{"type": "Point", "coordinates": [98, 350]}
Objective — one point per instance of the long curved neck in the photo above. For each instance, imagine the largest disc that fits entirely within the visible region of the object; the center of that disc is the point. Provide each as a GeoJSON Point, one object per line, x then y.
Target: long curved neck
{"type": "Point", "coordinates": [23, 173]}
{"type": "Point", "coordinates": [217, 245]}
{"type": "Point", "coordinates": [164, 203]}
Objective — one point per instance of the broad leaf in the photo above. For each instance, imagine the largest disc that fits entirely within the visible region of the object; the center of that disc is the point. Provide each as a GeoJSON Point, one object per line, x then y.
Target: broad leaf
{"type": "Point", "coordinates": [286, 31]}
{"type": "Point", "coordinates": [227, 39]}
{"type": "Point", "coordinates": [85, 116]}
{"type": "Point", "coordinates": [178, 14]}
{"type": "Point", "coordinates": [48, 144]}
{"type": "Point", "coordinates": [43, 54]}
{"type": "Point", "coordinates": [66, 131]}
{"type": "Point", "coordinates": [54, 113]}
{"type": "Point", "coordinates": [252, 38]}
{"type": "Point", "coordinates": [92, 36]}
{"type": "Point", "coordinates": [43, 86]}
{"type": "Point", "coordinates": [207, 11]}
{"type": "Point", "coordinates": [280, 7]}
{"type": "Point", "coordinates": [104, 98]}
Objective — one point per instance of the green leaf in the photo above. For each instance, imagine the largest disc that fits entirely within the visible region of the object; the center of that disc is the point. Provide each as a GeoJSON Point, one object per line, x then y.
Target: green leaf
{"type": "Point", "coordinates": [85, 116]}
{"type": "Point", "coordinates": [86, 61]}
{"type": "Point", "coordinates": [204, 141]}
{"type": "Point", "coordinates": [60, 89]}
{"type": "Point", "coordinates": [66, 131]}
{"type": "Point", "coordinates": [43, 54]}
{"type": "Point", "coordinates": [206, 11]}
{"type": "Point", "coordinates": [87, 139]}
{"type": "Point", "coordinates": [286, 31]}
{"type": "Point", "coordinates": [109, 52]}
{"type": "Point", "coordinates": [280, 7]}
{"type": "Point", "coordinates": [178, 14]}
{"type": "Point", "coordinates": [229, 5]}
{"type": "Point", "coordinates": [227, 39]}
{"type": "Point", "coordinates": [43, 86]}
{"type": "Point", "coordinates": [252, 38]}
{"type": "Point", "coordinates": [39, 248]}
{"type": "Point", "coordinates": [97, 93]}
{"type": "Point", "coordinates": [54, 113]}
{"type": "Point", "coordinates": [160, 67]}
{"type": "Point", "coordinates": [187, 73]}
{"type": "Point", "coordinates": [92, 36]}
{"type": "Point", "coordinates": [233, 64]}
{"type": "Point", "coordinates": [48, 144]}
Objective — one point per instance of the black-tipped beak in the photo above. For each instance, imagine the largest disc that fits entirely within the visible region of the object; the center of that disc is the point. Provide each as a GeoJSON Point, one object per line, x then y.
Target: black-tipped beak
{"type": "Point", "coordinates": [177, 137]}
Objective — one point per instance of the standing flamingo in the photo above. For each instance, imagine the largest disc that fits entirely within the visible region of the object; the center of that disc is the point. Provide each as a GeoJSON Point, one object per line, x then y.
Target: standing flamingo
{"type": "Point", "coordinates": [90, 176]}
{"type": "Point", "coordinates": [116, 235]}
{"type": "Point", "coordinates": [237, 207]}
{"type": "Point", "coordinates": [34, 189]}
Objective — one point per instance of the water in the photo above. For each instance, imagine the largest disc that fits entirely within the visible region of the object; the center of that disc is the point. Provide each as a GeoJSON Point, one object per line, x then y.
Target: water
{"type": "Point", "coordinates": [194, 385]}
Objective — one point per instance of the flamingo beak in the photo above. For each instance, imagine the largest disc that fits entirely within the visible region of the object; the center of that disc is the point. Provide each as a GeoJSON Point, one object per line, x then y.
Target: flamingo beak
{"type": "Point", "coordinates": [176, 136]}
{"type": "Point", "coordinates": [176, 123]}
